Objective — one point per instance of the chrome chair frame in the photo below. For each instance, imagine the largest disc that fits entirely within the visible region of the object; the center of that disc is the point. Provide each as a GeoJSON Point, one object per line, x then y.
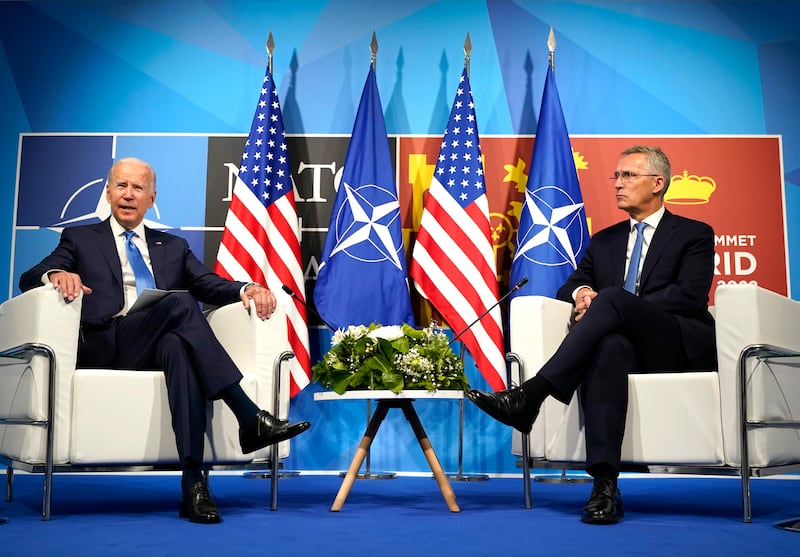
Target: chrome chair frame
{"type": "Point", "coordinates": [26, 352]}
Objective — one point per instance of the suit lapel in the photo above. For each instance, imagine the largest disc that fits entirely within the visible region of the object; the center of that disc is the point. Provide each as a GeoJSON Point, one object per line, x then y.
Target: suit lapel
{"type": "Point", "coordinates": [156, 248]}
{"type": "Point", "coordinates": [618, 251]}
{"type": "Point", "coordinates": [660, 241]}
{"type": "Point", "coordinates": [107, 246]}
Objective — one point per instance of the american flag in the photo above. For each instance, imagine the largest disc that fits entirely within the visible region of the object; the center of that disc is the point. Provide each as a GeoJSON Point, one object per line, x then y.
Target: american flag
{"type": "Point", "coordinates": [261, 240]}
{"type": "Point", "coordinates": [452, 261]}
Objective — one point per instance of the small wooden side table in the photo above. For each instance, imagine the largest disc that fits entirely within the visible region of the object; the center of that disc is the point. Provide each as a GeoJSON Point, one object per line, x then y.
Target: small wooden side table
{"type": "Point", "coordinates": [405, 402]}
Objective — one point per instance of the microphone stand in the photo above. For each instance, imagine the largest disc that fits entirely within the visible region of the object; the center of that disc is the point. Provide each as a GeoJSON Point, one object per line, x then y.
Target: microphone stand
{"type": "Point", "coordinates": [502, 299]}
{"type": "Point", "coordinates": [368, 474]}
{"type": "Point", "coordinates": [460, 476]}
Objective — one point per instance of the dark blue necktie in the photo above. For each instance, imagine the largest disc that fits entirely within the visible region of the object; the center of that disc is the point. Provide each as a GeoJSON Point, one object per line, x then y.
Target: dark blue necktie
{"type": "Point", "coordinates": [636, 255]}
{"type": "Point", "coordinates": [143, 276]}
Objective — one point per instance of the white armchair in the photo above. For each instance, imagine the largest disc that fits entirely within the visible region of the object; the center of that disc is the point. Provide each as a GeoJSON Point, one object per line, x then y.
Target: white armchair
{"type": "Point", "coordinates": [56, 418]}
{"type": "Point", "coordinates": [690, 421]}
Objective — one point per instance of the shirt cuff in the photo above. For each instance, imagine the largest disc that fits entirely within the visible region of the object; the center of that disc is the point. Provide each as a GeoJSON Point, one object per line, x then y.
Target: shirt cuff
{"type": "Point", "coordinates": [243, 288]}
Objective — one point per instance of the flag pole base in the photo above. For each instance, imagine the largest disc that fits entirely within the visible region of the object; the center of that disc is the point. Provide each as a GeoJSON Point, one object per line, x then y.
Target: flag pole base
{"type": "Point", "coordinates": [562, 478]}
{"type": "Point", "coordinates": [372, 475]}
{"type": "Point", "coordinates": [264, 474]}
{"type": "Point", "coordinates": [459, 477]}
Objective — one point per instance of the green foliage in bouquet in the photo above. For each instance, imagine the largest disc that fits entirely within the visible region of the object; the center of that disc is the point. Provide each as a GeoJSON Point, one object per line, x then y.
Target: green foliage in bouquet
{"type": "Point", "coordinates": [390, 358]}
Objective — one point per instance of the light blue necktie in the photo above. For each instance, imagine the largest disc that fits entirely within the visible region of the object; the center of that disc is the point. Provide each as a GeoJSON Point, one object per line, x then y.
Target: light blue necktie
{"type": "Point", "coordinates": [636, 255]}
{"type": "Point", "coordinates": [142, 275]}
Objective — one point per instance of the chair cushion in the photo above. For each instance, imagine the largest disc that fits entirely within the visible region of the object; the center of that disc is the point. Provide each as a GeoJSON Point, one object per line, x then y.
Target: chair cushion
{"type": "Point", "coordinates": [673, 418]}
{"type": "Point", "coordinates": [123, 417]}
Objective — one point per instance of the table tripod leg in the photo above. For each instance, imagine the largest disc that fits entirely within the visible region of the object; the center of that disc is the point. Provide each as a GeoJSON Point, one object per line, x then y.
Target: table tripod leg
{"type": "Point", "coordinates": [430, 455]}
{"type": "Point", "coordinates": [358, 458]}
{"type": "Point", "coordinates": [352, 473]}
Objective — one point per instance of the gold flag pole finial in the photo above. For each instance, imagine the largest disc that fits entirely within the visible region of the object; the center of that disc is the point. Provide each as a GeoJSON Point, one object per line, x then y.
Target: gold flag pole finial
{"type": "Point", "coordinates": [373, 48]}
{"type": "Point", "coordinates": [467, 52]}
{"type": "Point", "coordinates": [551, 46]}
{"type": "Point", "coordinates": [270, 47]}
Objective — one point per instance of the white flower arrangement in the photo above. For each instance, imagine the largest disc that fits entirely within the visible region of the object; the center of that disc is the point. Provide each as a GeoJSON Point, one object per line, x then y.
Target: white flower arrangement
{"type": "Point", "coordinates": [390, 357]}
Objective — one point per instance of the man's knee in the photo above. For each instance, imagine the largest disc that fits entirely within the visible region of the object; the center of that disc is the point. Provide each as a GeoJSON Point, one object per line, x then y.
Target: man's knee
{"type": "Point", "coordinates": [611, 295]}
{"type": "Point", "coordinates": [182, 307]}
{"type": "Point", "coordinates": [181, 301]}
{"type": "Point", "coordinates": [615, 344]}
{"type": "Point", "coordinates": [616, 356]}
{"type": "Point", "coordinates": [170, 346]}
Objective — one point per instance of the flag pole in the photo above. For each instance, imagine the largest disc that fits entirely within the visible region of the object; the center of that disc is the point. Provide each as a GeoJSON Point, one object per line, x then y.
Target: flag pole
{"type": "Point", "coordinates": [373, 48]}
{"type": "Point", "coordinates": [467, 52]}
{"type": "Point", "coordinates": [274, 473]}
{"type": "Point", "coordinates": [562, 478]}
{"type": "Point", "coordinates": [270, 46]}
{"type": "Point", "coordinates": [459, 475]}
{"type": "Point", "coordinates": [368, 473]}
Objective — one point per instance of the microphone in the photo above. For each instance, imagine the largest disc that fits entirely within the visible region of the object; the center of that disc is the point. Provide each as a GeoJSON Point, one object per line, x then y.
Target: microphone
{"type": "Point", "coordinates": [516, 287]}
{"type": "Point", "coordinates": [294, 295]}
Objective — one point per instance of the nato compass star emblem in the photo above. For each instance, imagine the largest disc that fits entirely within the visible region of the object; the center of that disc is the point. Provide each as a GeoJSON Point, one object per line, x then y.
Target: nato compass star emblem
{"type": "Point", "coordinates": [556, 227]}
{"type": "Point", "coordinates": [364, 222]}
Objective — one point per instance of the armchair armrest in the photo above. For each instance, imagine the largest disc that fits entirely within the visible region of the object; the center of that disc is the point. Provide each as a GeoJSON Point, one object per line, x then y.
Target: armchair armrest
{"type": "Point", "coordinates": [750, 315]}
{"type": "Point", "coordinates": [38, 316]}
{"type": "Point", "coordinates": [255, 347]}
{"type": "Point", "coordinates": [537, 326]}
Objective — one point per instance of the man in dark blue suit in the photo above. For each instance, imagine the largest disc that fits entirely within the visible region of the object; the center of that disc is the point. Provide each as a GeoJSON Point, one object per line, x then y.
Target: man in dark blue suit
{"type": "Point", "coordinates": [653, 317]}
{"type": "Point", "coordinates": [171, 334]}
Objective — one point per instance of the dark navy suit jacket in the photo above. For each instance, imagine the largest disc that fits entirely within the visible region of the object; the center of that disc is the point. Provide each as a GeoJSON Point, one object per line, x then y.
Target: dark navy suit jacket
{"type": "Point", "coordinates": [676, 276]}
{"type": "Point", "coordinates": [90, 251]}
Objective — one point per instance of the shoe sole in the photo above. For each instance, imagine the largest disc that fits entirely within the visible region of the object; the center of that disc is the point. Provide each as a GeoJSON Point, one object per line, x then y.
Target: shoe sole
{"type": "Point", "coordinates": [276, 438]}
{"type": "Point", "coordinates": [603, 521]}
{"type": "Point", "coordinates": [183, 513]}
{"type": "Point", "coordinates": [500, 417]}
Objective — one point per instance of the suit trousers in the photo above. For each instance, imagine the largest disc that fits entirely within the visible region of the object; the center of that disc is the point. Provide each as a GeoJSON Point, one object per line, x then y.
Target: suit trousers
{"type": "Point", "coordinates": [620, 333]}
{"type": "Point", "coordinates": [173, 335]}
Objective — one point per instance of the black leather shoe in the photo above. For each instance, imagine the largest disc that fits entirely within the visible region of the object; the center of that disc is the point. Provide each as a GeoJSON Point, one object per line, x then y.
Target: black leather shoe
{"type": "Point", "coordinates": [510, 407]}
{"type": "Point", "coordinates": [604, 505]}
{"type": "Point", "coordinates": [266, 429]}
{"type": "Point", "coordinates": [197, 505]}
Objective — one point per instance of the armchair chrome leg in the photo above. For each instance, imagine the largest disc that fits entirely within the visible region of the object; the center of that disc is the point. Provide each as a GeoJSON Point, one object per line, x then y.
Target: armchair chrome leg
{"type": "Point", "coordinates": [526, 470]}
{"type": "Point", "coordinates": [460, 476]}
{"type": "Point", "coordinates": [9, 483]}
{"type": "Point", "coordinates": [274, 466]}
{"type": "Point", "coordinates": [792, 525]}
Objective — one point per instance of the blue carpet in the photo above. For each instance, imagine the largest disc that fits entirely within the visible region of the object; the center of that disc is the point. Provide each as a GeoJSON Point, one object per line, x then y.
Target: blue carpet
{"type": "Point", "coordinates": [137, 515]}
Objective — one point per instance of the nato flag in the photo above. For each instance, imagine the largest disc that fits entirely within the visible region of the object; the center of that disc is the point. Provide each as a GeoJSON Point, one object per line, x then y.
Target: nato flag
{"type": "Point", "coordinates": [362, 277]}
{"type": "Point", "coordinates": [552, 233]}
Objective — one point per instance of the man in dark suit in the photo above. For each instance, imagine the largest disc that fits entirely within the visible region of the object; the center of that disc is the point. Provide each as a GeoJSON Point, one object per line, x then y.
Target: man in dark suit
{"type": "Point", "coordinates": [652, 318]}
{"type": "Point", "coordinates": [172, 334]}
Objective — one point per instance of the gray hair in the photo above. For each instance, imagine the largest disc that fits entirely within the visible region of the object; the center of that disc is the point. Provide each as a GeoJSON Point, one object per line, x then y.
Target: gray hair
{"type": "Point", "coordinates": [656, 160]}
{"type": "Point", "coordinates": [131, 160]}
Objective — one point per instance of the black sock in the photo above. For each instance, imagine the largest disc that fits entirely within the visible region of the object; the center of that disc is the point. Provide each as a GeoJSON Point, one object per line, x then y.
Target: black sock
{"type": "Point", "coordinates": [537, 389]}
{"type": "Point", "coordinates": [192, 473]}
{"type": "Point", "coordinates": [603, 471]}
{"type": "Point", "coordinates": [240, 404]}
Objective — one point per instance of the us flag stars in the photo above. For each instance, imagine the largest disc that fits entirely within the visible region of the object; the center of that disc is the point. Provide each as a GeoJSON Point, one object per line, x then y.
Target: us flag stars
{"type": "Point", "coordinates": [459, 166]}
{"type": "Point", "coordinates": [267, 181]}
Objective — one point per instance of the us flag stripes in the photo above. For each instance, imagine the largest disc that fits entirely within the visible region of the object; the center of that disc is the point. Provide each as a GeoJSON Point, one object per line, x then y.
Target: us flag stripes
{"type": "Point", "coordinates": [452, 262]}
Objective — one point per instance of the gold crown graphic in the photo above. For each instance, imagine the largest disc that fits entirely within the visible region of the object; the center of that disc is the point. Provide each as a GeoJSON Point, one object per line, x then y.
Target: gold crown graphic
{"type": "Point", "coordinates": [690, 189]}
